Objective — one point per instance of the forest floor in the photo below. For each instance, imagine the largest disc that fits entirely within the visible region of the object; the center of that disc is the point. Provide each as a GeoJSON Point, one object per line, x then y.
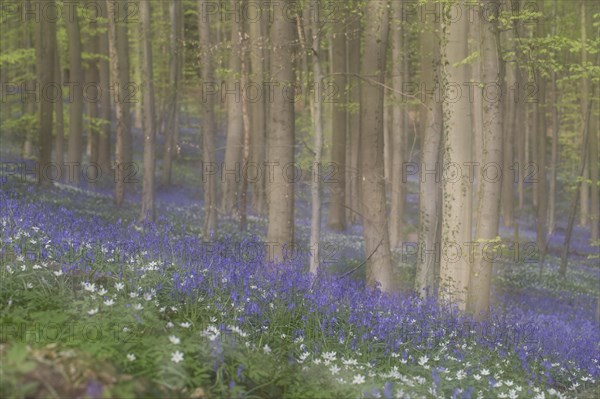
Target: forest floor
{"type": "Point", "coordinates": [94, 305]}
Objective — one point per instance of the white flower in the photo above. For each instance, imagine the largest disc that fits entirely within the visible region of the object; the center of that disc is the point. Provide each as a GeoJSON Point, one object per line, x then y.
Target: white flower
{"type": "Point", "coordinates": [334, 369]}
{"type": "Point", "coordinates": [131, 357]}
{"type": "Point", "coordinates": [512, 394]}
{"type": "Point", "coordinates": [213, 319]}
{"type": "Point", "coordinates": [93, 311]}
{"type": "Point", "coordinates": [174, 340]}
{"type": "Point", "coordinates": [185, 324]}
{"type": "Point", "coordinates": [119, 286]}
{"type": "Point", "coordinates": [460, 374]}
{"type": "Point", "coordinates": [266, 349]}
{"type": "Point", "coordinates": [36, 267]}
{"type": "Point", "coordinates": [29, 285]}
{"type": "Point", "coordinates": [91, 287]}
{"type": "Point", "coordinates": [148, 296]}
{"type": "Point", "coordinates": [109, 302]}
{"type": "Point", "coordinates": [170, 325]}
{"type": "Point", "coordinates": [102, 291]}
{"type": "Point", "coordinates": [138, 306]}
{"type": "Point", "coordinates": [485, 372]}
{"type": "Point", "coordinates": [58, 273]}
{"type": "Point", "coordinates": [303, 357]}
{"type": "Point", "coordinates": [329, 356]}
{"type": "Point", "coordinates": [423, 360]}
{"type": "Point", "coordinates": [349, 362]}
{"type": "Point", "coordinates": [133, 294]}
{"type": "Point", "coordinates": [477, 377]}
{"type": "Point", "coordinates": [176, 357]}
{"type": "Point", "coordinates": [358, 379]}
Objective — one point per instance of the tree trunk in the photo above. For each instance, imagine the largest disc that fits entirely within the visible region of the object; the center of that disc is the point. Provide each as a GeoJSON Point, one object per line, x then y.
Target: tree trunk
{"type": "Point", "coordinates": [429, 187]}
{"type": "Point", "coordinates": [337, 212]}
{"type": "Point", "coordinates": [509, 109]}
{"type": "Point", "coordinates": [129, 89]}
{"type": "Point", "coordinates": [59, 148]}
{"type": "Point", "coordinates": [104, 108]}
{"type": "Point", "coordinates": [540, 136]}
{"type": "Point", "coordinates": [584, 197]}
{"type": "Point", "coordinates": [45, 49]}
{"type": "Point", "coordinates": [148, 211]}
{"type": "Point", "coordinates": [118, 100]}
{"type": "Point", "coordinates": [175, 10]}
{"type": "Point", "coordinates": [373, 207]}
{"type": "Point", "coordinates": [92, 78]}
{"type": "Point", "coordinates": [315, 220]}
{"type": "Point", "coordinates": [231, 169]}
{"type": "Point", "coordinates": [490, 185]}
{"type": "Point", "coordinates": [554, 156]}
{"type": "Point", "coordinates": [397, 131]}
{"type": "Point", "coordinates": [257, 113]}
{"type": "Point", "coordinates": [353, 35]}
{"type": "Point", "coordinates": [76, 95]}
{"type": "Point", "coordinates": [456, 213]}
{"type": "Point", "coordinates": [280, 193]}
{"type": "Point", "coordinates": [208, 125]}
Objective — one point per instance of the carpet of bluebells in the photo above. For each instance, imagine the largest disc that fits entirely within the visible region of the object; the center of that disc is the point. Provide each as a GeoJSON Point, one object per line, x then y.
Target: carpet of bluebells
{"type": "Point", "coordinates": [96, 305]}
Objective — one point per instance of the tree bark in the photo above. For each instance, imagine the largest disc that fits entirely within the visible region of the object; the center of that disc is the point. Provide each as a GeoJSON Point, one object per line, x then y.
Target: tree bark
{"type": "Point", "coordinates": [490, 185]}
{"type": "Point", "coordinates": [76, 95]}
{"type": "Point", "coordinates": [315, 189]}
{"type": "Point", "coordinates": [104, 114]}
{"type": "Point", "coordinates": [231, 169]}
{"type": "Point", "coordinates": [208, 124]}
{"type": "Point", "coordinates": [429, 187]}
{"type": "Point", "coordinates": [373, 207]}
{"type": "Point", "coordinates": [257, 113]}
{"type": "Point", "coordinates": [353, 36]}
{"type": "Point", "coordinates": [119, 116]}
{"type": "Point", "coordinates": [337, 211]}
{"type": "Point", "coordinates": [45, 49]}
{"type": "Point", "coordinates": [280, 195]}
{"type": "Point", "coordinates": [456, 213]}
{"type": "Point", "coordinates": [397, 131]}
{"type": "Point", "coordinates": [175, 10]}
{"type": "Point", "coordinates": [148, 210]}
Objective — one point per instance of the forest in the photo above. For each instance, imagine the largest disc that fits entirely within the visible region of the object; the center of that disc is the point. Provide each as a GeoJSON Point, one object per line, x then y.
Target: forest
{"type": "Point", "coordinates": [299, 199]}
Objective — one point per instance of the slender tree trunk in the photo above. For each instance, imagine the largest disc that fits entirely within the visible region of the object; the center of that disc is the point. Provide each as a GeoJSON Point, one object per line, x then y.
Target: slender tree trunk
{"type": "Point", "coordinates": [315, 220]}
{"type": "Point", "coordinates": [104, 108]}
{"type": "Point", "coordinates": [244, 73]}
{"type": "Point", "coordinates": [595, 169]}
{"type": "Point", "coordinates": [373, 207]}
{"type": "Point", "coordinates": [490, 186]}
{"type": "Point", "coordinates": [208, 125]}
{"type": "Point", "coordinates": [429, 187]}
{"type": "Point", "coordinates": [59, 148]}
{"type": "Point", "coordinates": [584, 197]}
{"type": "Point", "coordinates": [540, 137]}
{"type": "Point", "coordinates": [562, 271]}
{"type": "Point", "coordinates": [398, 132]}
{"type": "Point", "coordinates": [337, 212]}
{"type": "Point", "coordinates": [175, 10]}
{"type": "Point", "coordinates": [129, 89]}
{"type": "Point", "coordinates": [554, 156]}
{"type": "Point", "coordinates": [118, 100]}
{"type": "Point", "coordinates": [92, 78]}
{"type": "Point", "coordinates": [353, 35]}
{"type": "Point", "coordinates": [231, 169]}
{"type": "Point", "coordinates": [456, 213]}
{"type": "Point", "coordinates": [76, 95]}
{"type": "Point", "coordinates": [45, 48]}
{"type": "Point", "coordinates": [148, 211]}
{"type": "Point", "coordinates": [509, 109]}
{"type": "Point", "coordinates": [257, 113]}
{"type": "Point", "coordinates": [280, 232]}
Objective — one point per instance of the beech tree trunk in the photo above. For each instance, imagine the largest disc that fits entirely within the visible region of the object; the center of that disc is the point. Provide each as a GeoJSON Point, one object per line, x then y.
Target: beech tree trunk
{"type": "Point", "coordinates": [148, 210]}
{"type": "Point", "coordinates": [76, 94]}
{"type": "Point", "coordinates": [490, 185]}
{"type": "Point", "coordinates": [280, 194]}
{"type": "Point", "coordinates": [430, 183]}
{"type": "Point", "coordinates": [373, 207]}
{"type": "Point", "coordinates": [337, 211]}
{"type": "Point", "coordinates": [208, 125]}
{"type": "Point", "coordinates": [456, 211]}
